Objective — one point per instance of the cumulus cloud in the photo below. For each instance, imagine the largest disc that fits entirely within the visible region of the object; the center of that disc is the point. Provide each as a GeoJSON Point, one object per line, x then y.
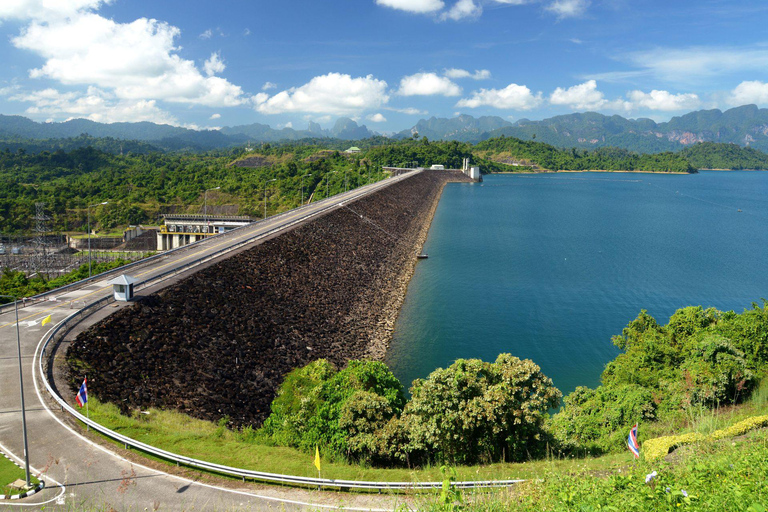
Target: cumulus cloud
{"type": "Point", "coordinates": [568, 8]}
{"type": "Point", "coordinates": [215, 116]}
{"type": "Point", "coordinates": [95, 104]}
{"type": "Point", "coordinates": [663, 100]}
{"type": "Point", "coordinates": [581, 97]}
{"type": "Point", "coordinates": [206, 35]}
{"type": "Point", "coordinates": [214, 65]}
{"type": "Point", "coordinates": [377, 118]}
{"type": "Point", "coordinates": [411, 111]}
{"type": "Point", "coordinates": [479, 74]}
{"type": "Point", "coordinates": [427, 84]}
{"type": "Point", "coordinates": [463, 9]}
{"type": "Point", "coordinates": [414, 6]}
{"type": "Point", "coordinates": [46, 9]}
{"type": "Point", "coordinates": [749, 92]}
{"type": "Point", "coordinates": [268, 85]}
{"type": "Point", "coordinates": [334, 93]}
{"type": "Point", "coordinates": [517, 97]}
{"type": "Point", "coordinates": [137, 60]}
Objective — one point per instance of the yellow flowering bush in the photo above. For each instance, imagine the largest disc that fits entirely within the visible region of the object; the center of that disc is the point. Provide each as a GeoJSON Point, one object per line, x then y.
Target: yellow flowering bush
{"type": "Point", "coordinates": [740, 428]}
{"type": "Point", "coordinates": [654, 449]}
{"type": "Point", "coordinates": [657, 448]}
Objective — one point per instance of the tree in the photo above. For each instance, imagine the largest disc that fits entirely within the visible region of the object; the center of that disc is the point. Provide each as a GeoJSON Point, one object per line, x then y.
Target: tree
{"type": "Point", "coordinates": [477, 411]}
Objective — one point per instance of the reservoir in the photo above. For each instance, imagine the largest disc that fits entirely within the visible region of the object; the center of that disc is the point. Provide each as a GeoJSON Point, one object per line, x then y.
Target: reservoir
{"type": "Point", "coordinates": [548, 267]}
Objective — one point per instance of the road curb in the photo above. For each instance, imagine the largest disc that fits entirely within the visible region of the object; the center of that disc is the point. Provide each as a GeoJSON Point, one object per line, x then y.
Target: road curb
{"type": "Point", "coordinates": [21, 496]}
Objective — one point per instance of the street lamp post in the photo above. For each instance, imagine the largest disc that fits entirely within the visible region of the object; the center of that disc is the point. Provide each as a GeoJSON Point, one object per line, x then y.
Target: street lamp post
{"type": "Point", "coordinates": [302, 187]}
{"type": "Point", "coordinates": [89, 233]}
{"type": "Point", "coordinates": [328, 175]}
{"type": "Point", "coordinates": [265, 195]}
{"type": "Point", "coordinates": [346, 180]}
{"type": "Point", "coordinates": [205, 207]}
{"type": "Point", "coordinates": [21, 387]}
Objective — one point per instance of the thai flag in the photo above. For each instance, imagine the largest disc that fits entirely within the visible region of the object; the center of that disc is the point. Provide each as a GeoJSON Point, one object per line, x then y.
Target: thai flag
{"type": "Point", "coordinates": [634, 446]}
{"type": "Point", "coordinates": [82, 395]}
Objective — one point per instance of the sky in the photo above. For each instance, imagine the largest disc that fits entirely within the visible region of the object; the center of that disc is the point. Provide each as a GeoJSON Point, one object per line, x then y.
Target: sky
{"type": "Point", "coordinates": [384, 63]}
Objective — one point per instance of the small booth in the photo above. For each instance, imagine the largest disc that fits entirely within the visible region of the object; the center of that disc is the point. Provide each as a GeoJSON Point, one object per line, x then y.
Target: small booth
{"type": "Point", "coordinates": [123, 287]}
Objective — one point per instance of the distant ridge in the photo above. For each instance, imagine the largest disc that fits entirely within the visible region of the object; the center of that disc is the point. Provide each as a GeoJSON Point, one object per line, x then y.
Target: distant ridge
{"type": "Point", "coordinates": [746, 126]}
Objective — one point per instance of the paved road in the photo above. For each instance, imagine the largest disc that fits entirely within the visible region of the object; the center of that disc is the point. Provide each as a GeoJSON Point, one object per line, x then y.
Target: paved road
{"type": "Point", "coordinates": [84, 475]}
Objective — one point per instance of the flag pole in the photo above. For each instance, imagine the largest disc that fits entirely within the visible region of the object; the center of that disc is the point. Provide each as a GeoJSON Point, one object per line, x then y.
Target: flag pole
{"type": "Point", "coordinates": [87, 412]}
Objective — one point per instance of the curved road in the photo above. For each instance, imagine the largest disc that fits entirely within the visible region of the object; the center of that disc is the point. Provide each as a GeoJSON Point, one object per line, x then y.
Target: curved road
{"type": "Point", "coordinates": [81, 474]}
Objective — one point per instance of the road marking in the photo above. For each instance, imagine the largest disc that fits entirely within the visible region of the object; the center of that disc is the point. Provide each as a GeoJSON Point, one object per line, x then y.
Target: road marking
{"type": "Point", "coordinates": [56, 498]}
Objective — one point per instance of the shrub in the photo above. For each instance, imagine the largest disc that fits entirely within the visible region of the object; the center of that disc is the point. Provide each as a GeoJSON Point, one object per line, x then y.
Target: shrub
{"type": "Point", "coordinates": [477, 411]}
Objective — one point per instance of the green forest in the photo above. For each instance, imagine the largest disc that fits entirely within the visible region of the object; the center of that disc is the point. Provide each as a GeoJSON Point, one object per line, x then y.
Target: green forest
{"type": "Point", "coordinates": [479, 412]}
{"type": "Point", "coordinates": [140, 183]}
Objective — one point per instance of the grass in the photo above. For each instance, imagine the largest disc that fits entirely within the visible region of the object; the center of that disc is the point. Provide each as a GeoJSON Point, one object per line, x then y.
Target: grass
{"type": "Point", "coordinates": [730, 475]}
{"type": "Point", "coordinates": [9, 473]}
{"type": "Point", "coordinates": [208, 441]}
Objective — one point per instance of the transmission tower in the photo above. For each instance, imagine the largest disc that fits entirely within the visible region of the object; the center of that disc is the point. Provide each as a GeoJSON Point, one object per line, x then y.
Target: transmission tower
{"type": "Point", "coordinates": [40, 260]}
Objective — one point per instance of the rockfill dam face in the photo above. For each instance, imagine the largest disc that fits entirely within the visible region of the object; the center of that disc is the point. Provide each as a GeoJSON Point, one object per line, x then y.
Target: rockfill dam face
{"type": "Point", "coordinates": [219, 342]}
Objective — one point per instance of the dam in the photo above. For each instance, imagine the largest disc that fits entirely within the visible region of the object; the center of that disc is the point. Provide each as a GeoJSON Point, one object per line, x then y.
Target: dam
{"type": "Point", "coordinates": [218, 342]}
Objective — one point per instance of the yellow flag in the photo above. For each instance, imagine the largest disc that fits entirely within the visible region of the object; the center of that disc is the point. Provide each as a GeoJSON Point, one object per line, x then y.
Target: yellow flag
{"type": "Point", "coordinates": [317, 458]}
{"type": "Point", "coordinates": [46, 319]}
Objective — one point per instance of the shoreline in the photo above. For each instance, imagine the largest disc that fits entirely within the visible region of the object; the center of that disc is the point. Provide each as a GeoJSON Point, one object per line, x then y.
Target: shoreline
{"type": "Point", "coordinates": [384, 331]}
{"type": "Point", "coordinates": [603, 171]}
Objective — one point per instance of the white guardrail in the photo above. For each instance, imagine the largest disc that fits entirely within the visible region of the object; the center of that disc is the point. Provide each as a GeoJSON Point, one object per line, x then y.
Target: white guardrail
{"type": "Point", "coordinates": [61, 330]}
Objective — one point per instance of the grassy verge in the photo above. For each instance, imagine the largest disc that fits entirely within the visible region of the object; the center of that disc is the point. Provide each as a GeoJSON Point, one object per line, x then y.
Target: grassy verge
{"type": "Point", "coordinates": [9, 473]}
{"type": "Point", "coordinates": [728, 475]}
{"type": "Point", "coordinates": [205, 440]}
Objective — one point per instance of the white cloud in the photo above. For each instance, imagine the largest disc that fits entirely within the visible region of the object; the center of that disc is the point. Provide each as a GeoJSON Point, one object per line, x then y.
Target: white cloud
{"type": "Point", "coordinates": [377, 118]}
{"type": "Point", "coordinates": [206, 35]}
{"type": "Point", "coordinates": [479, 74]}
{"type": "Point", "coordinates": [214, 65]}
{"type": "Point", "coordinates": [463, 9]}
{"type": "Point", "coordinates": [137, 61]}
{"type": "Point", "coordinates": [693, 64]}
{"type": "Point", "coordinates": [568, 8]}
{"type": "Point", "coordinates": [414, 6]}
{"type": "Point", "coordinates": [46, 9]}
{"type": "Point", "coordinates": [411, 111]}
{"type": "Point", "coordinates": [663, 100]}
{"type": "Point", "coordinates": [749, 92]}
{"type": "Point", "coordinates": [286, 125]}
{"type": "Point", "coordinates": [95, 104]}
{"type": "Point", "coordinates": [581, 97]}
{"type": "Point", "coordinates": [268, 85]}
{"type": "Point", "coordinates": [247, 32]}
{"type": "Point", "coordinates": [333, 93]}
{"type": "Point", "coordinates": [427, 84]}
{"type": "Point", "coordinates": [518, 97]}
{"type": "Point", "coordinates": [215, 116]}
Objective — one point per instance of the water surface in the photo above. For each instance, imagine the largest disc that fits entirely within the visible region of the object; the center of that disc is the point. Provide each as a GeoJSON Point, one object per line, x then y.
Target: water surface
{"type": "Point", "coordinates": [549, 267]}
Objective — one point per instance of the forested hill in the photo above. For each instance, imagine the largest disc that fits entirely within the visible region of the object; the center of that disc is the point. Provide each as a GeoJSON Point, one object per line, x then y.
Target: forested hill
{"type": "Point", "coordinates": [712, 155]}
{"type": "Point", "coordinates": [511, 152]}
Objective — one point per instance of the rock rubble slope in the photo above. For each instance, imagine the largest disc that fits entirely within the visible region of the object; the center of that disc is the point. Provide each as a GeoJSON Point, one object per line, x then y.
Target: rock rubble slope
{"type": "Point", "coordinates": [219, 342]}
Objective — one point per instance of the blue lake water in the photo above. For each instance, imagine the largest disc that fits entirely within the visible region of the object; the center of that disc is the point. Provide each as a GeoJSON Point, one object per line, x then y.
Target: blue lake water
{"type": "Point", "coordinates": [549, 267]}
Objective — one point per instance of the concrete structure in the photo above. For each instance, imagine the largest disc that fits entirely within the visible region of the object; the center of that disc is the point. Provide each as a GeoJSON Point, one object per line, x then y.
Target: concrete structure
{"type": "Point", "coordinates": [122, 287]}
{"type": "Point", "coordinates": [472, 172]}
{"type": "Point", "coordinates": [132, 232]}
{"type": "Point", "coordinates": [184, 229]}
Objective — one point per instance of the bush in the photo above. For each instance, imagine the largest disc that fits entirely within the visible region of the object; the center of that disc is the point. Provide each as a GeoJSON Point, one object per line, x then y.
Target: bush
{"type": "Point", "coordinates": [312, 401]}
{"type": "Point", "coordinates": [477, 411]}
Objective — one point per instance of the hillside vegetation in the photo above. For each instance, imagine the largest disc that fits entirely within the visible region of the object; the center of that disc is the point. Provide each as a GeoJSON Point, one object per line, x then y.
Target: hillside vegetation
{"type": "Point", "coordinates": [142, 183]}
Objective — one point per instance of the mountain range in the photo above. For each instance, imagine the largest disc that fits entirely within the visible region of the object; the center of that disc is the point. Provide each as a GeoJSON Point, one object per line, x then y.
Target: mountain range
{"type": "Point", "coordinates": [746, 126]}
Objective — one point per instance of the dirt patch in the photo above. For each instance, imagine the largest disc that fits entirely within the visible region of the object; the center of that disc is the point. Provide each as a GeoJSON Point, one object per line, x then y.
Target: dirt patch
{"type": "Point", "coordinates": [219, 342]}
